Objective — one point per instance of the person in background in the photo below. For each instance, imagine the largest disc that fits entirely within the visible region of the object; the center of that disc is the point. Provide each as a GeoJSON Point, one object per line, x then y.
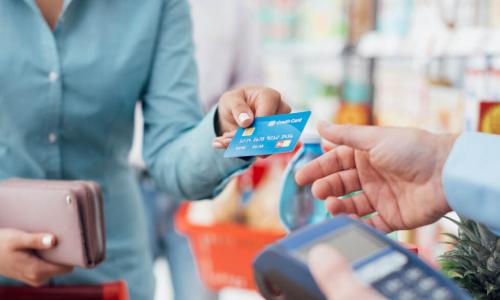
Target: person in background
{"type": "Point", "coordinates": [409, 178]}
{"type": "Point", "coordinates": [226, 38]}
{"type": "Point", "coordinates": [71, 73]}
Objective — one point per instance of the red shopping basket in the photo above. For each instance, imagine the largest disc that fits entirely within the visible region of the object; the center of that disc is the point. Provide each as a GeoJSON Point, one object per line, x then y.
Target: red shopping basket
{"type": "Point", "coordinates": [107, 291]}
{"type": "Point", "coordinates": [224, 252]}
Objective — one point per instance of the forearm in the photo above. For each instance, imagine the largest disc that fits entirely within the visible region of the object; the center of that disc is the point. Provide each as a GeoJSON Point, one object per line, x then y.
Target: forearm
{"type": "Point", "coordinates": [190, 168]}
{"type": "Point", "coordinates": [471, 178]}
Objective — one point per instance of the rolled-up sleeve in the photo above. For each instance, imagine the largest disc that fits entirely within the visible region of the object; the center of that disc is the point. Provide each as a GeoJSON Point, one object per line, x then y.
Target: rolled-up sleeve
{"type": "Point", "coordinates": [471, 178]}
{"type": "Point", "coordinates": [177, 139]}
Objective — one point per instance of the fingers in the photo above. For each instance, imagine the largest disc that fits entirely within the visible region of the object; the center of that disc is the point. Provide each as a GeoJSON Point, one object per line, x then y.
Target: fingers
{"type": "Point", "coordinates": [242, 113]}
{"type": "Point", "coordinates": [217, 145]}
{"type": "Point", "coordinates": [358, 137]}
{"type": "Point", "coordinates": [267, 102]}
{"type": "Point", "coordinates": [48, 270]}
{"type": "Point", "coordinates": [239, 107]}
{"type": "Point", "coordinates": [335, 277]}
{"type": "Point", "coordinates": [23, 240]}
{"type": "Point", "coordinates": [358, 205]}
{"type": "Point", "coordinates": [337, 184]}
{"type": "Point", "coordinates": [283, 108]}
{"type": "Point", "coordinates": [222, 142]}
{"type": "Point", "coordinates": [37, 271]}
{"type": "Point", "coordinates": [340, 158]}
{"type": "Point", "coordinates": [233, 108]}
{"type": "Point", "coordinates": [264, 101]}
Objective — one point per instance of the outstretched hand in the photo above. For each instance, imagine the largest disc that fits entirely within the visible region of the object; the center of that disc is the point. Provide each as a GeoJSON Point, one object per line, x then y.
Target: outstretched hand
{"type": "Point", "coordinates": [399, 171]}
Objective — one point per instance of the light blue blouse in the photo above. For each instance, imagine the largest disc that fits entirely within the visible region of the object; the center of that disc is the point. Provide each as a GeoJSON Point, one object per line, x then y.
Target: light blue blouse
{"type": "Point", "coordinates": [67, 110]}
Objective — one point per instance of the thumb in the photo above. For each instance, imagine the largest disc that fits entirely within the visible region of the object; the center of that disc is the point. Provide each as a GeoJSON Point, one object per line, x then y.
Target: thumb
{"type": "Point", "coordinates": [335, 277]}
{"type": "Point", "coordinates": [354, 136]}
{"type": "Point", "coordinates": [38, 241]}
{"type": "Point", "coordinates": [241, 111]}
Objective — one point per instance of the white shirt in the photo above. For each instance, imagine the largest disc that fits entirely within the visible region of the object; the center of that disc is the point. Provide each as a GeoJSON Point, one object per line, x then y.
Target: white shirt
{"type": "Point", "coordinates": [227, 41]}
{"type": "Point", "coordinates": [226, 37]}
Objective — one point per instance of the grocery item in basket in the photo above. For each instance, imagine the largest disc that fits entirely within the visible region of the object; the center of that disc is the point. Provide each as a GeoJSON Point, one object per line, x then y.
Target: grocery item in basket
{"type": "Point", "coordinates": [226, 207]}
{"type": "Point", "coordinates": [262, 209]}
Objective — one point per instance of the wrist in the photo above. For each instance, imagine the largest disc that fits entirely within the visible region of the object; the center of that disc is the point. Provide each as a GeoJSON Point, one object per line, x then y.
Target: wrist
{"type": "Point", "coordinates": [445, 144]}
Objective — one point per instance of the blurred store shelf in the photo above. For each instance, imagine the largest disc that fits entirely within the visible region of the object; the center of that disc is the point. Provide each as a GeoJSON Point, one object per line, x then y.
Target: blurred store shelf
{"type": "Point", "coordinates": [463, 42]}
{"type": "Point", "coordinates": [305, 50]}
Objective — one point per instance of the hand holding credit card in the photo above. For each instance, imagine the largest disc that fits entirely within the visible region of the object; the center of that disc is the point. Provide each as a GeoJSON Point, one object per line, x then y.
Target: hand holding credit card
{"type": "Point", "coordinates": [268, 135]}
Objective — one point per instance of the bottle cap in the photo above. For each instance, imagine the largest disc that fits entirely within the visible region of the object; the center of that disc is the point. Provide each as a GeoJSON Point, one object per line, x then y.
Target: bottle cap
{"type": "Point", "coordinates": [310, 138]}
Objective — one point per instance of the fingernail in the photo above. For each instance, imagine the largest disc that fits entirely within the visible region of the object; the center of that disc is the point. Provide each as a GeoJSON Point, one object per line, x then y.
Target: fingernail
{"type": "Point", "coordinates": [48, 240]}
{"type": "Point", "coordinates": [243, 117]}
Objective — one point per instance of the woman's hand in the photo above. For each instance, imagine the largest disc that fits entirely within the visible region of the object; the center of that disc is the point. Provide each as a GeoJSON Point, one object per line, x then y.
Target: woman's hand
{"type": "Point", "coordinates": [239, 107]}
{"type": "Point", "coordinates": [18, 262]}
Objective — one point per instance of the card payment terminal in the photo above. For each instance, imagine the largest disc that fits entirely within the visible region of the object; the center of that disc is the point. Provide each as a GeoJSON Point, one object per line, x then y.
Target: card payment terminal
{"type": "Point", "coordinates": [281, 269]}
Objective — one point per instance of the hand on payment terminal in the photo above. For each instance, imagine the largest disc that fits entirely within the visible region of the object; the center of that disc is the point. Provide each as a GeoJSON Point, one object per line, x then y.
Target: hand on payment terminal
{"type": "Point", "coordinates": [281, 270]}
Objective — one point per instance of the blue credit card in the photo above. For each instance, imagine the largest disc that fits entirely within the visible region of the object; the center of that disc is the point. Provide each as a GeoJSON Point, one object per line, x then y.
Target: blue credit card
{"type": "Point", "coordinates": [268, 135]}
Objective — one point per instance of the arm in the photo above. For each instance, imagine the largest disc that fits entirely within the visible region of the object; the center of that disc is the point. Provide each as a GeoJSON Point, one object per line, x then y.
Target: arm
{"type": "Point", "coordinates": [177, 146]}
{"type": "Point", "coordinates": [471, 178]}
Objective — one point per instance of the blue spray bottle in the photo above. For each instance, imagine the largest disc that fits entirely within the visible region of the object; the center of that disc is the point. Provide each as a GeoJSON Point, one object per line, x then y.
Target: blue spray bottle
{"type": "Point", "coordinates": [298, 207]}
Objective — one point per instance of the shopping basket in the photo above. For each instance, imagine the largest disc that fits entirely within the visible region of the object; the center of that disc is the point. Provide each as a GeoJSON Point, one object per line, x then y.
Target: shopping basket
{"type": "Point", "coordinates": [224, 252]}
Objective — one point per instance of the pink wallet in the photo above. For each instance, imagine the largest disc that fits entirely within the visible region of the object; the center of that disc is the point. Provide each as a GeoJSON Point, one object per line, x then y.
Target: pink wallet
{"type": "Point", "coordinates": [71, 210]}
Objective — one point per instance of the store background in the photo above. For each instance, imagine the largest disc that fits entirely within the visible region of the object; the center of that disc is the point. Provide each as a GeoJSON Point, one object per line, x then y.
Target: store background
{"type": "Point", "coordinates": [431, 64]}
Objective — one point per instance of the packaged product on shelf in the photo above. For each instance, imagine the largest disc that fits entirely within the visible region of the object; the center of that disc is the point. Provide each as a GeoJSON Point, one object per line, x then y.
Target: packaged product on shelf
{"type": "Point", "coordinates": [361, 19]}
{"type": "Point", "coordinates": [394, 16]}
{"type": "Point", "coordinates": [475, 89]}
{"type": "Point", "coordinates": [489, 117]}
{"type": "Point", "coordinates": [353, 113]}
{"type": "Point", "coordinates": [262, 209]}
{"type": "Point", "coordinates": [356, 92]}
{"type": "Point", "coordinates": [489, 108]}
{"type": "Point", "coordinates": [494, 14]}
{"type": "Point", "coordinates": [445, 101]}
{"type": "Point", "coordinates": [322, 21]}
{"type": "Point", "coordinates": [483, 86]}
{"type": "Point", "coordinates": [279, 18]}
{"type": "Point", "coordinates": [400, 93]}
{"type": "Point", "coordinates": [445, 108]}
{"type": "Point", "coordinates": [357, 85]}
{"type": "Point", "coordinates": [494, 79]}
